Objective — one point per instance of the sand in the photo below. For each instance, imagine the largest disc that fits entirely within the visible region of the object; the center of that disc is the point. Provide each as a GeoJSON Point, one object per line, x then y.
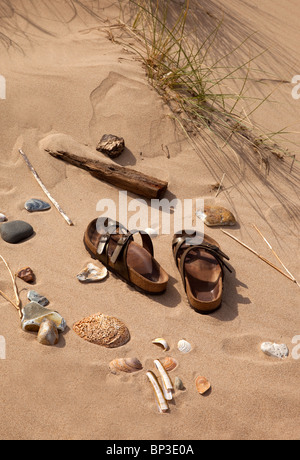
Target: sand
{"type": "Point", "coordinates": [66, 78]}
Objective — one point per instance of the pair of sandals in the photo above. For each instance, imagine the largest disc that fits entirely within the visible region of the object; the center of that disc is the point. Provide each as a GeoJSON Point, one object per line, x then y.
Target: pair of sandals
{"type": "Point", "coordinates": [199, 260]}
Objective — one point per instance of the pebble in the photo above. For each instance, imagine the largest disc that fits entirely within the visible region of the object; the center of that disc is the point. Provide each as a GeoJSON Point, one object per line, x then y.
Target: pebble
{"type": "Point", "coordinates": [35, 205]}
{"type": "Point", "coordinates": [276, 350]}
{"type": "Point", "coordinates": [214, 216]}
{"type": "Point", "coordinates": [111, 145]}
{"type": "Point", "coordinates": [179, 384]}
{"type": "Point", "coordinates": [48, 333]}
{"type": "Point", "coordinates": [3, 218]}
{"type": "Point", "coordinates": [33, 314]}
{"type": "Point", "coordinates": [16, 231]}
{"type": "Point", "coordinates": [26, 274]}
{"type": "Point", "coordinates": [33, 296]}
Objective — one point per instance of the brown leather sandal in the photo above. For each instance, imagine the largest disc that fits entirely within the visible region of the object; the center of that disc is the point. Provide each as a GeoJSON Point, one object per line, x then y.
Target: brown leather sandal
{"type": "Point", "coordinates": [112, 244]}
{"type": "Point", "coordinates": [199, 260]}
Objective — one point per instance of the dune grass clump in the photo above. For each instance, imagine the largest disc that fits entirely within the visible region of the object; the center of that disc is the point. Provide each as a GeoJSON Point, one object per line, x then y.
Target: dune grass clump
{"type": "Point", "coordinates": [181, 66]}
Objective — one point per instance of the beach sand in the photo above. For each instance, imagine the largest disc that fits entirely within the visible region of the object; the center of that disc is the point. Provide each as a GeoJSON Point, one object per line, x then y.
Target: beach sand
{"type": "Point", "coordinates": [65, 77]}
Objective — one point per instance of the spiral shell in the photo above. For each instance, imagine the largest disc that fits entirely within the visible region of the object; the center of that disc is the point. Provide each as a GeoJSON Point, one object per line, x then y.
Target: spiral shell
{"type": "Point", "coordinates": [202, 385]}
{"type": "Point", "coordinates": [128, 365]}
{"type": "Point", "coordinates": [162, 343]}
{"type": "Point", "coordinates": [169, 363]}
{"type": "Point", "coordinates": [184, 346]}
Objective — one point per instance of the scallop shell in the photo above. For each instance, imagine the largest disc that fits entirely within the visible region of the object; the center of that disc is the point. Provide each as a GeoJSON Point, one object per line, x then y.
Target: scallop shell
{"type": "Point", "coordinates": [184, 346]}
{"type": "Point", "coordinates": [202, 385]}
{"type": "Point", "coordinates": [162, 343]}
{"type": "Point", "coordinates": [128, 365]}
{"type": "Point", "coordinates": [103, 330]}
{"type": "Point", "coordinates": [91, 274]}
{"type": "Point", "coordinates": [160, 399]}
{"type": "Point", "coordinates": [169, 363]}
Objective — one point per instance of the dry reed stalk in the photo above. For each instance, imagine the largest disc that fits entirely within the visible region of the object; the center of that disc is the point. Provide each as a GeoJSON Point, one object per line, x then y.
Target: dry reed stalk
{"type": "Point", "coordinates": [16, 304]}
{"type": "Point", "coordinates": [39, 181]}
{"type": "Point", "coordinates": [259, 256]}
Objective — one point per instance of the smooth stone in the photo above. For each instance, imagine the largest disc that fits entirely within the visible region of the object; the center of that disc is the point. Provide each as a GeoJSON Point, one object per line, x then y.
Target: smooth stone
{"type": "Point", "coordinates": [179, 384]}
{"type": "Point", "coordinates": [276, 350]}
{"type": "Point", "coordinates": [35, 205]}
{"type": "Point", "coordinates": [33, 314]}
{"type": "Point", "coordinates": [111, 145]}
{"type": "Point", "coordinates": [16, 231]}
{"type": "Point", "coordinates": [3, 218]}
{"type": "Point", "coordinates": [33, 296]}
{"type": "Point", "coordinates": [26, 274]}
{"type": "Point", "coordinates": [48, 333]}
{"type": "Point", "coordinates": [215, 216]}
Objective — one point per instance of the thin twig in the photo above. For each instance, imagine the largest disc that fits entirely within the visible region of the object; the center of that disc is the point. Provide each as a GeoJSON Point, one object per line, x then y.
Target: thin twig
{"type": "Point", "coordinates": [220, 186]}
{"type": "Point", "coordinates": [36, 176]}
{"type": "Point", "coordinates": [277, 257]}
{"type": "Point", "coordinates": [258, 255]}
{"type": "Point", "coordinates": [17, 305]}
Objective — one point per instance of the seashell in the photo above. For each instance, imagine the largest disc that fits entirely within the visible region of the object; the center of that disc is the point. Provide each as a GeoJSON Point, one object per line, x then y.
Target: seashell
{"type": "Point", "coordinates": [33, 314]}
{"type": "Point", "coordinates": [202, 385]}
{"type": "Point", "coordinates": [162, 343]}
{"type": "Point", "coordinates": [128, 365]}
{"type": "Point", "coordinates": [167, 385]}
{"type": "Point", "coordinates": [48, 333]}
{"type": "Point", "coordinates": [35, 205]}
{"type": "Point", "coordinates": [91, 274]}
{"type": "Point", "coordinates": [178, 384]}
{"type": "Point", "coordinates": [160, 399]}
{"type": "Point", "coordinates": [103, 330]}
{"type": "Point", "coordinates": [169, 363]}
{"type": "Point", "coordinates": [33, 296]}
{"type": "Point", "coordinates": [26, 274]}
{"type": "Point", "coordinates": [214, 216]}
{"type": "Point", "coordinates": [3, 218]}
{"type": "Point", "coordinates": [275, 350]}
{"type": "Point", "coordinates": [184, 346]}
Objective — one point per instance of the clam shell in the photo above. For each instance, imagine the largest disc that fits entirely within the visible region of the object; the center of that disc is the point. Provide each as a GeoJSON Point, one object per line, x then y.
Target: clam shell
{"type": "Point", "coordinates": [162, 343]}
{"type": "Point", "coordinates": [103, 330]}
{"type": "Point", "coordinates": [184, 346]}
{"type": "Point", "coordinates": [202, 385]}
{"type": "Point", "coordinates": [91, 274]}
{"type": "Point", "coordinates": [128, 365]}
{"type": "Point", "coordinates": [169, 363]}
{"type": "Point", "coordinates": [33, 314]}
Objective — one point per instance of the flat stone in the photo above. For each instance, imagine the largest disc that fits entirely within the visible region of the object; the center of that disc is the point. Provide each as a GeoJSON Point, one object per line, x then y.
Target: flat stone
{"type": "Point", "coordinates": [48, 333]}
{"type": "Point", "coordinates": [26, 274]}
{"type": "Point", "coordinates": [33, 296]}
{"type": "Point", "coordinates": [276, 350]}
{"type": "Point", "coordinates": [35, 205]}
{"type": "Point", "coordinates": [33, 314]}
{"type": "Point", "coordinates": [215, 216]}
{"type": "Point", "coordinates": [3, 218]}
{"type": "Point", "coordinates": [111, 145]}
{"type": "Point", "coordinates": [16, 231]}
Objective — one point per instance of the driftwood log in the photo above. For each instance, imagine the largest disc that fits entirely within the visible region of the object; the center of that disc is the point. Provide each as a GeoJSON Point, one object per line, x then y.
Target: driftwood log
{"type": "Point", "coordinates": [124, 178]}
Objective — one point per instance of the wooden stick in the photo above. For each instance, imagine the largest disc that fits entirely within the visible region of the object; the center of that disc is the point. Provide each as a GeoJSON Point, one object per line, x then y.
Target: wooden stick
{"type": "Point", "coordinates": [125, 178]}
{"type": "Point", "coordinates": [39, 181]}
{"type": "Point", "coordinates": [277, 257]}
{"type": "Point", "coordinates": [258, 255]}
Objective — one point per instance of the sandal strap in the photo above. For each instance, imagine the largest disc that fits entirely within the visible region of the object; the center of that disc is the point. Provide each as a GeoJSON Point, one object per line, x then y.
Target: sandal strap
{"type": "Point", "coordinates": [211, 249]}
